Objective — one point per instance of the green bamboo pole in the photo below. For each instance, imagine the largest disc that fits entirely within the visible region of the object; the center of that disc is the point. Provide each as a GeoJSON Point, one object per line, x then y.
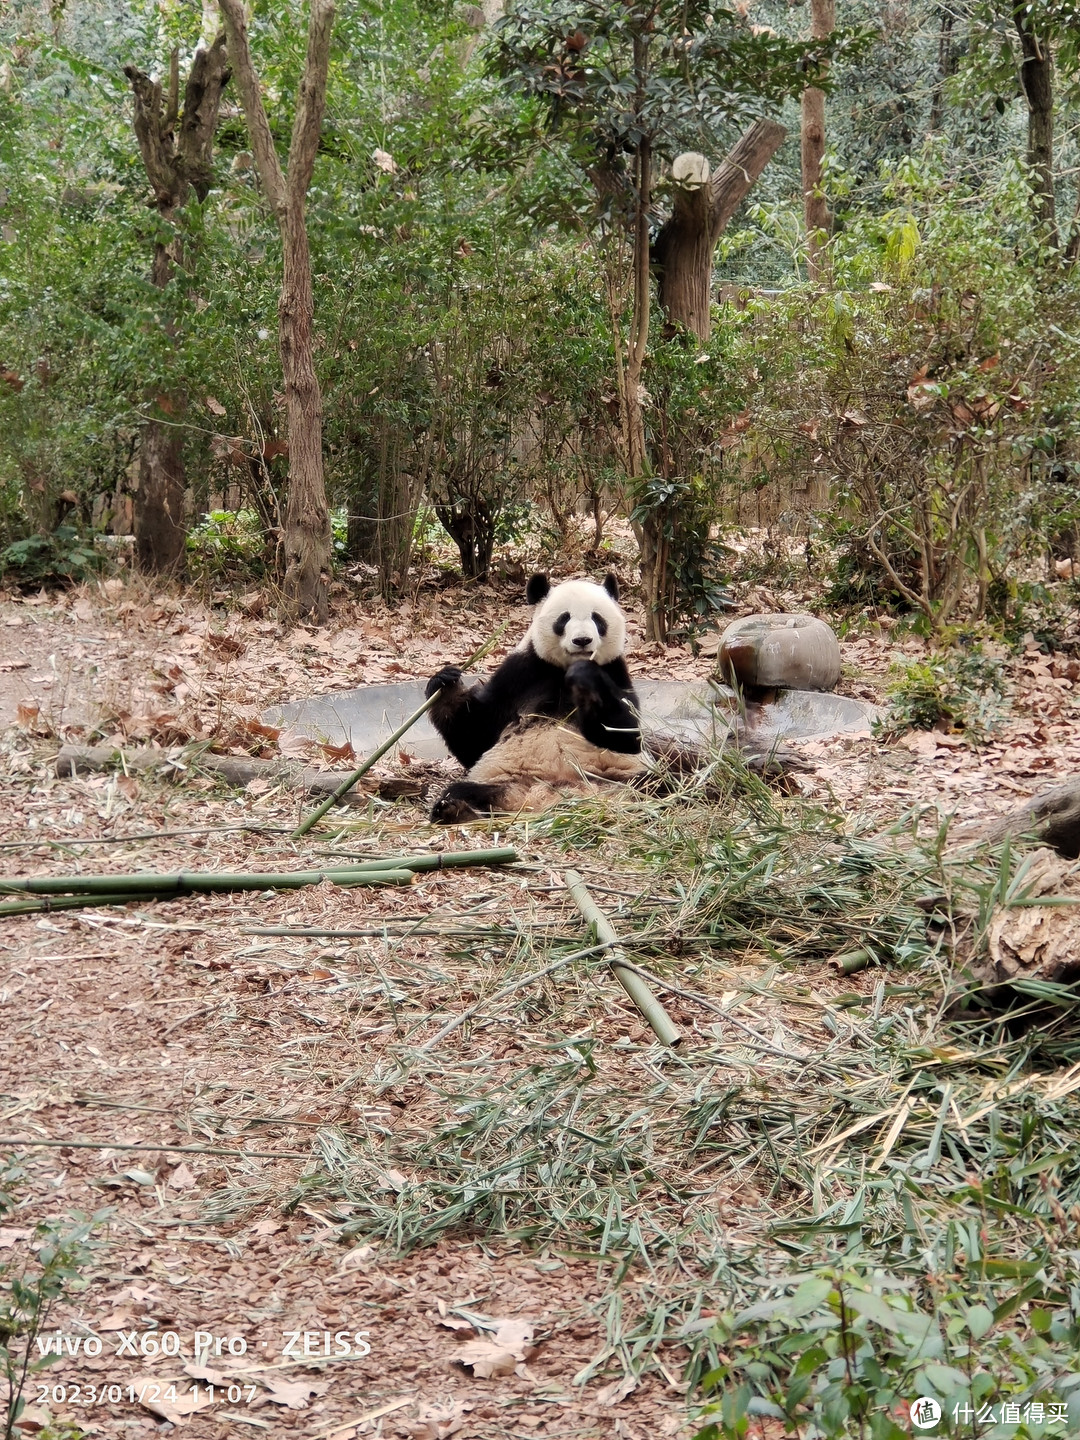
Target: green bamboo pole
{"type": "Point", "coordinates": [194, 882]}
{"type": "Point", "coordinates": [43, 903]}
{"type": "Point", "coordinates": [67, 902]}
{"type": "Point", "coordinates": [441, 860]}
{"type": "Point", "coordinates": [350, 780]}
{"type": "Point", "coordinates": [638, 991]}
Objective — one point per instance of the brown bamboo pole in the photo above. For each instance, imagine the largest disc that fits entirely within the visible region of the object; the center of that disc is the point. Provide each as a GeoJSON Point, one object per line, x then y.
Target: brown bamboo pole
{"type": "Point", "coordinates": [639, 992]}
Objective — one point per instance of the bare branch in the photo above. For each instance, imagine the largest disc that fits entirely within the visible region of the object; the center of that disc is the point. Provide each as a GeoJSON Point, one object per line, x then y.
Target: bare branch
{"type": "Point", "coordinates": [155, 142]}
{"type": "Point", "coordinates": [738, 172]}
{"type": "Point", "coordinates": [262, 141]}
{"type": "Point", "coordinates": [202, 97]}
{"type": "Point", "coordinates": [311, 104]}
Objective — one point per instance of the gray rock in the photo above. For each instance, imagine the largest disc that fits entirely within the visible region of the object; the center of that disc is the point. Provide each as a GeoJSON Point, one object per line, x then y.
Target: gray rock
{"type": "Point", "coordinates": [780, 652]}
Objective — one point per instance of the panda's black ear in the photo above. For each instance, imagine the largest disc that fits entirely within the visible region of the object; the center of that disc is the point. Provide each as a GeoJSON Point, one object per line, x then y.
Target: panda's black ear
{"type": "Point", "coordinates": [611, 585]}
{"type": "Point", "coordinates": [536, 589]}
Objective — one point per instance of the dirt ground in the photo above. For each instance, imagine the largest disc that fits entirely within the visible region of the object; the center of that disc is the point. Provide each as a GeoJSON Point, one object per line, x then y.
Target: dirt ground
{"type": "Point", "coordinates": [183, 1069]}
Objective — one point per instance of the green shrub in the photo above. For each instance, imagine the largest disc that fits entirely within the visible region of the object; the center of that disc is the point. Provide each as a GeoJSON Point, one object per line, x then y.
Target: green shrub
{"type": "Point", "coordinates": [958, 691]}
{"type": "Point", "coordinates": [227, 544]}
{"type": "Point", "coordinates": [65, 556]}
{"type": "Point", "coordinates": [848, 1351]}
{"type": "Point", "coordinates": [33, 1280]}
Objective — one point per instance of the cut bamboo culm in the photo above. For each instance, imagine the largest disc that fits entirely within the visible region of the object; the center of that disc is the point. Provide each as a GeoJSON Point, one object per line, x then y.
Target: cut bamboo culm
{"type": "Point", "coordinates": [70, 892]}
{"type": "Point", "coordinates": [198, 882]}
{"type": "Point", "coordinates": [638, 990]}
{"type": "Point", "coordinates": [441, 860]}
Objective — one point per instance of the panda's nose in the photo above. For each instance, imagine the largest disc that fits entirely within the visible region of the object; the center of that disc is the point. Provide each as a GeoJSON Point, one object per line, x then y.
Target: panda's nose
{"type": "Point", "coordinates": [584, 642]}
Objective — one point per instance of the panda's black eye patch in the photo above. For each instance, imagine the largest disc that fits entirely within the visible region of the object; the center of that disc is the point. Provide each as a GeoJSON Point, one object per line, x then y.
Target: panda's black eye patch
{"type": "Point", "coordinates": [561, 623]}
{"type": "Point", "coordinates": [600, 623]}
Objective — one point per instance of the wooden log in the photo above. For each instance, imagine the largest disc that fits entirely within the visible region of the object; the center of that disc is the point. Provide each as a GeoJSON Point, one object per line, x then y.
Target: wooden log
{"type": "Point", "coordinates": [1053, 818]}
{"type": "Point", "coordinates": [236, 770]}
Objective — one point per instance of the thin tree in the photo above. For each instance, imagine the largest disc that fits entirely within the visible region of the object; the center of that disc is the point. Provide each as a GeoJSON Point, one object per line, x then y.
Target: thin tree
{"type": "Point", "coordinates": [815, 207]}
{"type": "Point", "coordinates": [307, 517]}
{"type": "Point", "coordinates": [177, 153]}
{"type": "Point", "coordinates": [1037, 83]}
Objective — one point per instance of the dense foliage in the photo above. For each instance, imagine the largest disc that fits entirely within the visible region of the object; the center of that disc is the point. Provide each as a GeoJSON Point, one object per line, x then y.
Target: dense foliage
{"type": "Point", "coordinates": [473, 292]}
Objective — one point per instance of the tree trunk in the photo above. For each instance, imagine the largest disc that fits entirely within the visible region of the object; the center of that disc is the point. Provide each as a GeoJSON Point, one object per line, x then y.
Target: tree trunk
{"type": "Point", "coordinates": [650, 537]}
{"type": "Point", "coordinates": [703, 205]}
{"type": "Point", "coordinates": [683, 254]}
{"type": "Point", "coordinates": [160, 529]}
{"type": "Point", "coordinates": [307, 517]}
{"type": "Point", "coordinates": [815, 208]}
{"type": "Point", "coordinates": [946, 68]}
{"type": "Point", "coordinates": [1037, 80]}
{"type": "Point", "coordinates": [174, 166]}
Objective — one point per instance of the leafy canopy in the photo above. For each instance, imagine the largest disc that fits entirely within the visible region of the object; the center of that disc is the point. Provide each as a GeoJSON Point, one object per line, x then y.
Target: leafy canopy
{"type": "Point", "coordinates": [666, 72]}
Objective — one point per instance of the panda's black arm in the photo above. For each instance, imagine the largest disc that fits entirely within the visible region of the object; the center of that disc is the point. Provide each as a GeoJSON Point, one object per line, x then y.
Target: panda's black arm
{"type": "Point", "coordinates": [605, 705]}
{"type": "Point", "coordinates": [471, 721]}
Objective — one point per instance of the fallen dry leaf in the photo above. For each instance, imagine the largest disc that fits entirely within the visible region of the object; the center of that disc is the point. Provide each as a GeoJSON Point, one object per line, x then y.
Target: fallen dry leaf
{"type": "Point", "coordinates": [207, 1374]}
{"type": "Point", "coordinates": [501, 1355]}
{"type": "Point", "coordinates": [11, 1235]}
{"type": "Point", "coordinates": [293, 1394]}
{"type": "Point", "coordinates": [920, 742]}
{"type": "Point", "coordinates": [486, 1360]}
{"type": "Point", "coordinates": [296, 747]}
{"type": "Point", "coordinates": [616, 1391]}
{"type": "Point", "coordinates": [514, 1335]}
{"type": "Point", "coordinates": [33, 1419]}
{"type": "Point", "coordinates": [182, 1178]}
{"type": "Point", "coordinates": [358, 1256]}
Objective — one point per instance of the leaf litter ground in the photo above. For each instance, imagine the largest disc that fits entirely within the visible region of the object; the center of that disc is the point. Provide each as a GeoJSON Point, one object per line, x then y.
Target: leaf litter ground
{"type": "Point", "coordinates": [535, 1219]}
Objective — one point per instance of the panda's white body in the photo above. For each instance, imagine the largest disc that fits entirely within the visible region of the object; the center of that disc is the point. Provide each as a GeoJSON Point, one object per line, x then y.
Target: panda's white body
{"type": "Point", "coordinates": [558, 715]}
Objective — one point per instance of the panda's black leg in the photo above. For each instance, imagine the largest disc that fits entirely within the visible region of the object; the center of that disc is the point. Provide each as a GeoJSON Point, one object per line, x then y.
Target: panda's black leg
{"type": "Point", "coordinates": [466, 800]}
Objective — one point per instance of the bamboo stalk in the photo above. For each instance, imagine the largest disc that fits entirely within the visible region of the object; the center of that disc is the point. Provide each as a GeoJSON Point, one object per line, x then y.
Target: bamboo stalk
{"type": "Point", "coordinates": [152, 1145]}
{"type": "Point", "coordinates": [193, 882]}
{"type": "Point", "coordinates": [442, 860]}
{"type": "Point", "coordinates": [358, 774]}
{"type": "Point", "coordinates": [31, 842]}
{"type": "Point", "coordinates": [638, 990]}
{"type": "Point", "coordinates": [68, 902]}
{"type": "Point", "coordinates": [66, 892]}
{"type": "Point", "coordinates": [41, 903]}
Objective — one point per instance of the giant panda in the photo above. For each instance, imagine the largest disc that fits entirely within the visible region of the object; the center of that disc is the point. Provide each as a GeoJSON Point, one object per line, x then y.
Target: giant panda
{"type": "Point", "coordinates": [558, 715]}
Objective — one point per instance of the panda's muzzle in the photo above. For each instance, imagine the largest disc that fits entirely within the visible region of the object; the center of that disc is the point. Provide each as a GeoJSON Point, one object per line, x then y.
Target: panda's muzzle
{"type": "Point", "coordinates": [583, 642]}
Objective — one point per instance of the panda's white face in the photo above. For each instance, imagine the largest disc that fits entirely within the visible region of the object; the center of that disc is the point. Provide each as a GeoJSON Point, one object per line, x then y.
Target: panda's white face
{"type": "Point", "coordinates": [576, 621]}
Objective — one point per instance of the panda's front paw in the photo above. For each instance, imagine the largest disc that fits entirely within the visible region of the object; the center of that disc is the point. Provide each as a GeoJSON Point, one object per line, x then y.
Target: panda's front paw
{"type": "Point", "coordinates": [446, 679]}
{"type": "Point", "coordinates": [582, 680]}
